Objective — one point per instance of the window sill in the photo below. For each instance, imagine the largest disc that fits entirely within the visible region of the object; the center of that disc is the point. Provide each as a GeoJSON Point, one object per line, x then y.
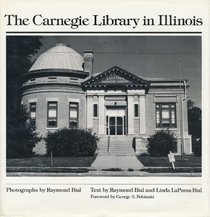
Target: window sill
{"type": "Point", "coordinates": [166, 128]}
{"type": "Point", "coordinates": [51, 128]}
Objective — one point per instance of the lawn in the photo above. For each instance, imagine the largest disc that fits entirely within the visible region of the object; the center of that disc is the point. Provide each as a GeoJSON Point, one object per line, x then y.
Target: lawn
{"type": "Point", "coordinates": [46, 162]}
{"type": "Point", "coordinates": [185, 161]}
{"type": "Point", "coordinates": [81, 164]}
{"type": "Point", "coordinates": [147, 161]}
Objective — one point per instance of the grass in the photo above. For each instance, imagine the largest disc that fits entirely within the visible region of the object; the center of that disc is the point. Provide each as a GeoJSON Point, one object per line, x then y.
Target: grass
{"type": "Point", "coordinates": [170, 170]}
{"type": "Point", "coordinates": [147, 161]}
{"type": "Point", "coordinates": [81, 164]}
{"type": "Point", "coordinates": [46, 162]}
{"type": "Point", "coordinates": [185, 161]}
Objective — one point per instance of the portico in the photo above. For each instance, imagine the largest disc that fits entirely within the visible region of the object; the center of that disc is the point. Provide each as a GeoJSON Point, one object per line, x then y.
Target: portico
{"type": "Point", "coordinates": [116, 107]}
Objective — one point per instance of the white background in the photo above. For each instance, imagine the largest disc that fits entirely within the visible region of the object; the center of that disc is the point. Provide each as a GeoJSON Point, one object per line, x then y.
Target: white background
{"type": "Point", "coordinates": [80, 204]}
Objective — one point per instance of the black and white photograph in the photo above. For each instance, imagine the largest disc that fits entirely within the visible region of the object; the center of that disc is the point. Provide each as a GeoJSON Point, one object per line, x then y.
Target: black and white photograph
{"type": "Point", "coordinates": [103, 105]}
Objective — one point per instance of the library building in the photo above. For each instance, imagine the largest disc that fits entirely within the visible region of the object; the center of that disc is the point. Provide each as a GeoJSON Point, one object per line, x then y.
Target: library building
{"type": "Point", "coordinates": [123, 109]}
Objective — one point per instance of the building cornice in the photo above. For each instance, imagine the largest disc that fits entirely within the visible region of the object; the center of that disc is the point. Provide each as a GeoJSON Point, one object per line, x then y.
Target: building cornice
{"type": "Point", "coordinates": [115, 78]}
{"type": "Point", "coordinates": [55, 72]}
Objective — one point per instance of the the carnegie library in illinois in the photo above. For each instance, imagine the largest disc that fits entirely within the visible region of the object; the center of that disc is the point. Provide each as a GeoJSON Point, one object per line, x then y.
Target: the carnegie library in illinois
{"type": "Point", "coordinates": [123, 109]}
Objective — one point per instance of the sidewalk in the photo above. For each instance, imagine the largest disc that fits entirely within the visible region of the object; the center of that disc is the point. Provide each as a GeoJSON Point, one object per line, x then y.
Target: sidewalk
{"type": "Point", "coordinates": [102, 174]}
{"type": "Point", "coordinates": [115, 161]}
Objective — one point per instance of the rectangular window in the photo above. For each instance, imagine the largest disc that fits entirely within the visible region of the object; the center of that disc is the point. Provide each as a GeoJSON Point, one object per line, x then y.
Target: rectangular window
{"type": "Point", "coordinates": [136, 110]}
{"type": "Point", "coordinates": [74, 79]}
{"type": "Point", "coordinates": [52, 108]}
{"type": "Point", "coordinates": [52, 79]}
{"type": "Point", "coordinates": [95, 110]}
{"type": "Point", "coordinates": [107, 125]}
{"type": "Point", "coordinates": [32, 80]}
{"type": "Point", "coordinates": [165, 115]}
{"type": "Point", "coordinates": [73, 115]}
{"type": "Point", "coordinates": [32, 108]}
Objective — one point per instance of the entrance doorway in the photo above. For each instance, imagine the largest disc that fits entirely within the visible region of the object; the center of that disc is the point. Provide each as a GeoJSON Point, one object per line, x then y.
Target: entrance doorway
{"type": "Point", "coordinates": [116, 125]}
{"type": "Point", "coordinates": [115, 121]}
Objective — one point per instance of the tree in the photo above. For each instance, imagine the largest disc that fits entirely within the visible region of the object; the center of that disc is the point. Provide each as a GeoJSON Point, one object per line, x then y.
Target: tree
{"type": "Point", "coordinates": [21, 137]}
{"type": "Point", "coordinates": [20, 49]}
{"type": "Point", "coordinates": [161, 143]}
{"type": "Point", "coordinates": [194, 124]}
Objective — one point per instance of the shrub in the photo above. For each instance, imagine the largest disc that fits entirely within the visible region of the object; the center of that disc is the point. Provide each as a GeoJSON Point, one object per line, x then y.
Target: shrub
{"type": "Point", "coordinates": [71, 143]}
{"type": "Point", "coordinates": [161, 143]}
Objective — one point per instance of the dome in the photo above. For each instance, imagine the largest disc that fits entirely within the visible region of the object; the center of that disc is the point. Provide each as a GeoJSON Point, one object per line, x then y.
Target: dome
{"type": "Point", "coordinates": [59, 57]}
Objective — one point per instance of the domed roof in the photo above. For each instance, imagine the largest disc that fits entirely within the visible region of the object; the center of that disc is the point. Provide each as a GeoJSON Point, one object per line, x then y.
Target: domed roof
{"type": "Point", "coordinates": [59, 57]}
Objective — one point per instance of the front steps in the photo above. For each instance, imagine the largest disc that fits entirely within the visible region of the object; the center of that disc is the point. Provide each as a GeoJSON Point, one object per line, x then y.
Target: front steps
{"type": "Point", "coordinates": [116, 145]}
{"type": "Point", "coordinates": [116, 152]}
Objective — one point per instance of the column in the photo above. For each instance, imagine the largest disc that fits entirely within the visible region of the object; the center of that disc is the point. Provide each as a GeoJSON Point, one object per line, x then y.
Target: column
{"type": "Point", "coordinates": [101, 109]}
{"type": "Point", "coordinates": [89, 111]}
{"type": "Point", "coordinates": [142, 113]}
{"type": "Point", "coordinates": [130, 115]}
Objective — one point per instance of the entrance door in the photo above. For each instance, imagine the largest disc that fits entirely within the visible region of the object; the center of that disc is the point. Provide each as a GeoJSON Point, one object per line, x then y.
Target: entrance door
{"type": "Point", "coordinates": [116, 120]}
{"type": "Point", "coordinates": [116, 125]}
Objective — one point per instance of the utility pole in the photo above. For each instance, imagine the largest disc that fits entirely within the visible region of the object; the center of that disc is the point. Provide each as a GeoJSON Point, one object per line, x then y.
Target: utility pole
{"type": "Point", "coordinates": [181, 110]}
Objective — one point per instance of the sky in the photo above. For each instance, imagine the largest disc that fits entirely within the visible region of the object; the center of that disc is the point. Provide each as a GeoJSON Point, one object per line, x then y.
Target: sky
{"type": "Point", "coordinates": [145, 56]}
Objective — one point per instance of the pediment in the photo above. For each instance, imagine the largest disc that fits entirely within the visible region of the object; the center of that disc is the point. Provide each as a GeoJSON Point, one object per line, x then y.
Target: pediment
{"type": "Point", "coordinates": [116, 77]}
{"type": "Point", "coordinates": [113, 77]}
